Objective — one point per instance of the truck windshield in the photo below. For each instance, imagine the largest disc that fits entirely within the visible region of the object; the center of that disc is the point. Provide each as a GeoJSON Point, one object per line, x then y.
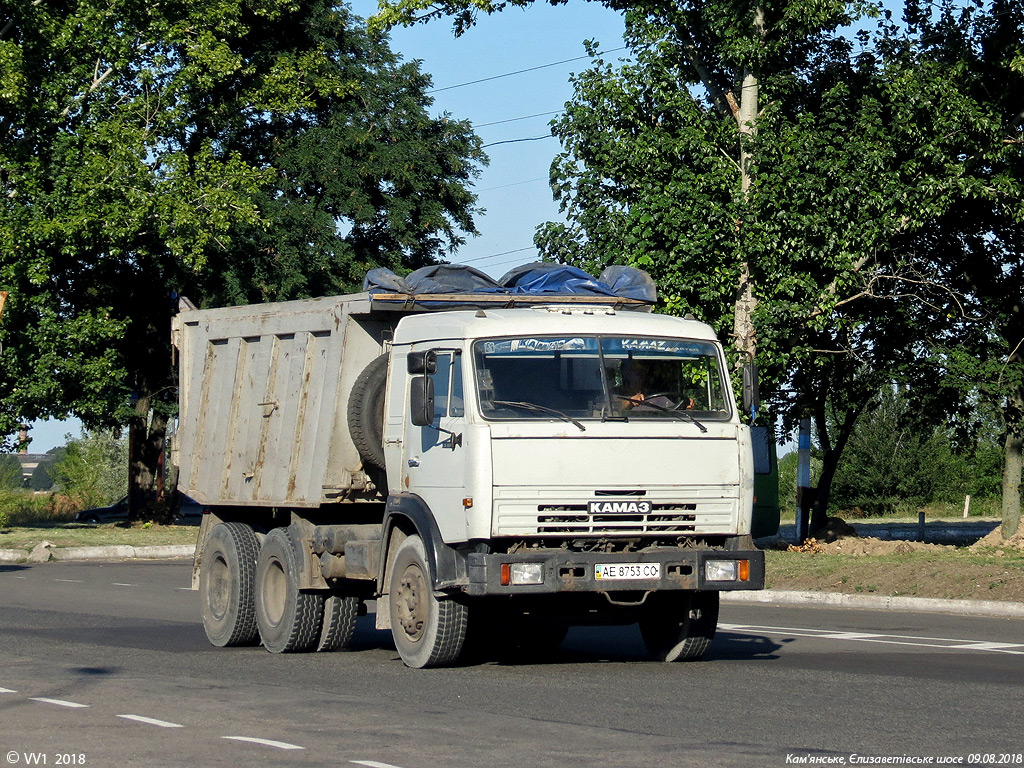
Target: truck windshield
{"type": "Point", "coordinates": [600, 377]}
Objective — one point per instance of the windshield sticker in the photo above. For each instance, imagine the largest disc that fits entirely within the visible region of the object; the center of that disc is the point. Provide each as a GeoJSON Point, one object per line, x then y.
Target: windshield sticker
{"type": "Point", "coordinates": [668, 346]}
{"type": "Point", "coordinates": [512, 346]}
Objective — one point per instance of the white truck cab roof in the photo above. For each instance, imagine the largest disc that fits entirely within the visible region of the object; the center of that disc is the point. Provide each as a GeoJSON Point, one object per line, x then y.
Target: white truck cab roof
{"type": "Point", "coordinates": [545, 320]}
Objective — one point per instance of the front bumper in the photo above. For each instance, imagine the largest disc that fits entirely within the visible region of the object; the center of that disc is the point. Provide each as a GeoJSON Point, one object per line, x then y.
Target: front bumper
{"type": "Point", "coordinates": [566, 571]}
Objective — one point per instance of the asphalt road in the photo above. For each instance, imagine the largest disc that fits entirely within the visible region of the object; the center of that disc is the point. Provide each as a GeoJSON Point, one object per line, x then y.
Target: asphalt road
{"type": "Point", "coordinates": [107, 665]}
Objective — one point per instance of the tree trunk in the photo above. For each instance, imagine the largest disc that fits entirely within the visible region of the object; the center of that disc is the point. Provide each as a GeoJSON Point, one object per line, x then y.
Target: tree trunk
{"type": "Point", "coordinates": [744, 337]}
{"type": "Point", "coordinates": [832, 447]}
{"type": "Point", "coordinates": [140, 476]}
{"type": "Point", "coordinates": [146, 436]}
{"type": "Point", "coordinates": [149, 337]}
{"type": "Point", "coordinates": [1012, 465]}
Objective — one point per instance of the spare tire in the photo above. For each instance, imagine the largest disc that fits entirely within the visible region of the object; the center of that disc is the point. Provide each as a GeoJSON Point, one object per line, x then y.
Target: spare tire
{"type": "Point", "coordinates": [366, 411]}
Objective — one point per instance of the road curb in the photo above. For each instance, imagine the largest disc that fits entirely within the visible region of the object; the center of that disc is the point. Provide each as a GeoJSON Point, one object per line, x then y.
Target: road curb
{"type": "Point", "coordinates": [118, 552]}
{"type": "Point", "coordinates": [993, 608]}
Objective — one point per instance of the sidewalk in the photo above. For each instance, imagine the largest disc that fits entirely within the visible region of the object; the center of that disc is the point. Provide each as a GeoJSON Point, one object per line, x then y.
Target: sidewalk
{"type": "Point", "coordinates": [987, 608]}
{"type": "Point", "coordinates": [44, 552]}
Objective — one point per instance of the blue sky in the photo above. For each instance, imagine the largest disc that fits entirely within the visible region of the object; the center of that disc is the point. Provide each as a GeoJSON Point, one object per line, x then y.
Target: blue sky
{"type": "Point", "coordinates": [513, 188]}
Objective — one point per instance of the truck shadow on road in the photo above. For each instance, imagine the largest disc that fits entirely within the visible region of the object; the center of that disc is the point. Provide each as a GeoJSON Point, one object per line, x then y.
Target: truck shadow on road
{"type": "Point", "coordinates": [588, 645]}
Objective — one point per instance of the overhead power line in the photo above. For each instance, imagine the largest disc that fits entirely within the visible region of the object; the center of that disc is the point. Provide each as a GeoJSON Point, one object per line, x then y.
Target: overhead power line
{"type": "Point", "coordinates": [515, 119]}
{"type": "Point", "coordinates": [513, 184]}
{"type": "Point", "coordinates": [523, 71]}
{"type": "Point", "coordinates": [496, 255]}
{"type": "Point", "coordinates": [514, 141]}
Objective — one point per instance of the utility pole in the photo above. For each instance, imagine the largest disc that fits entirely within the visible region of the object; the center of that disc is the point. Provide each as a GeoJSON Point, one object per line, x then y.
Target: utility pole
{"type": "Point", "coordinates": [804, 496]}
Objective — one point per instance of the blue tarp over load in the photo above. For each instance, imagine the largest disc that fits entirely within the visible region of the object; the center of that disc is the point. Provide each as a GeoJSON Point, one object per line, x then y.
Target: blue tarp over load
{"type": "Point", "coordinates": [458, 285]}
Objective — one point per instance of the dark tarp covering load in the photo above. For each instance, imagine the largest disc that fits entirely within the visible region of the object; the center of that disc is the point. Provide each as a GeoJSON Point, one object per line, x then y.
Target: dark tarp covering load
{"type": "Point", "coordinates": [536, 279]}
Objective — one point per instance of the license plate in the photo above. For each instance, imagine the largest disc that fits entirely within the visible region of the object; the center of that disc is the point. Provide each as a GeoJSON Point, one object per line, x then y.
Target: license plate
{"type": "Point", "coordinates": [627, 571]}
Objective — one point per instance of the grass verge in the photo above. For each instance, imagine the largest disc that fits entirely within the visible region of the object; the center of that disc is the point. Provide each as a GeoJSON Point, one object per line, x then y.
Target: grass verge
{"type": "Point", "coordinates": [950, 573]}
{"type": "Point", "coordinates": [81, 535]}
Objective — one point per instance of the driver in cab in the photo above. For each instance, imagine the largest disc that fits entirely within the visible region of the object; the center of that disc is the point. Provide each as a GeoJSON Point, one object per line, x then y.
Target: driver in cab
{"type": "Point", "coordinates": [639, 390]}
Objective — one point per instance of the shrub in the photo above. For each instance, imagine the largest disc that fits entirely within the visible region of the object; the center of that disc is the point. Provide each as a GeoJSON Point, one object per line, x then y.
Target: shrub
{"type": "Point", "coordinates": [93, 470]}
{"type": "Point", "coordinates": [10, 472]}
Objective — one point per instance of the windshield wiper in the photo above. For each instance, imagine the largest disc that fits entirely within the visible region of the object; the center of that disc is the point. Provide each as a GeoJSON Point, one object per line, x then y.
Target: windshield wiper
{"type": "Point", "coordinates": [541, 409]}
{"type": "Point", "coordinates": [671, 411]}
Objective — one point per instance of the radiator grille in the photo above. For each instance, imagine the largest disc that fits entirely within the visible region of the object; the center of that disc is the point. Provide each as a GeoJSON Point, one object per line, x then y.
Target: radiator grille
{"type": "Point", "coordinates": [574, 518]}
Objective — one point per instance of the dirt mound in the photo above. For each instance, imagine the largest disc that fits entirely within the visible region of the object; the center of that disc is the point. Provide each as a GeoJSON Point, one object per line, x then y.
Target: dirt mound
{"type": "Point", "coordinates": [838, 537]}
{"type": "Point", "coordinates": [995, 539]}
{"type": "Point", "coordinates": [867, 546]}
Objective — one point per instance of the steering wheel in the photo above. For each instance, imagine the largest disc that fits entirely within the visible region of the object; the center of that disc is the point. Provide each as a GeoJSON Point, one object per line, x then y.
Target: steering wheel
{"type": "Point", "coordinates": [676, 397]}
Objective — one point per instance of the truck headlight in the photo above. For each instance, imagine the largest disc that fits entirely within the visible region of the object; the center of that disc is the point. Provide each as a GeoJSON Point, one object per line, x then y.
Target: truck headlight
{"type": "Point", "coordinates": [519, 574]}
{"type": "Point", "coordinates": [727, 570]}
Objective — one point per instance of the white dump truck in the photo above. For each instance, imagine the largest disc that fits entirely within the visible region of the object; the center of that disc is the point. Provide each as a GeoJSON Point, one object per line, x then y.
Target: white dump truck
{"type": "Point", "coordinates": [497, 464]}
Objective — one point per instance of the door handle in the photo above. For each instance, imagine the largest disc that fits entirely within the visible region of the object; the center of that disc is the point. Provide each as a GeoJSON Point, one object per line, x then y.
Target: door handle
{"type": "Point", "coordinates": [414, 462]}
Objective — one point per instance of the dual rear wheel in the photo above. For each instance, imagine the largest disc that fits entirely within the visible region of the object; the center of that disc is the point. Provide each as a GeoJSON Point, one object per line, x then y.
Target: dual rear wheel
{"type": "Point", "coordinates": [250, 593]}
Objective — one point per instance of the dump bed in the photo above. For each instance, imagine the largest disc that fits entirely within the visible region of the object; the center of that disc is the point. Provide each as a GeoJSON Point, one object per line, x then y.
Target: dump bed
{"type": "Point", "coordinates": [263, 400]}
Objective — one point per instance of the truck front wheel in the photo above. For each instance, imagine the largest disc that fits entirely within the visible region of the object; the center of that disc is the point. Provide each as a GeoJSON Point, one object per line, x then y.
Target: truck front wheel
{"type": "Point", "coordinates": [289, 620]}
{"type": "Point", "coordinates": [226, 582]}
{"type": "Point", "coordinates": [428, 631]}
{"type": "Point", "coordinates": [679, 626]}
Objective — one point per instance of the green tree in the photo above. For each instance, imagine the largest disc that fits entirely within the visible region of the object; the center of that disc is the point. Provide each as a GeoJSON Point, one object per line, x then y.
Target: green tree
{"type": "Point", "coordinates": [10, 472]}
{"type": "Point", "coordinates": [920, 466]}
{"type": "Point", "coordinates": [93, 469]}
{"type": "Point", "coordinates": [240, 151]}
{"type": "Point", "coordinates": [965, 65]}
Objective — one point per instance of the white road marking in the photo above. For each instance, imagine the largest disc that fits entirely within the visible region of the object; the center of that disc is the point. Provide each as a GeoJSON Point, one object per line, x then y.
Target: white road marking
{"type": "Point", "coordinates": [116, 584]}
{"type": "Point", "coordinates": [264, 742]}
{"type": "Point", "coordinates": [60, 702]}
{"type": "Point", "coordinates": [7, 690]}
{"type": "Point", "coordinates": [70, 581]}
{"type": "Point", "coordinates": [373, 764]}
{"type": "Point", "coordinates": [949, 643]}
{"type": "Point", "coordinates": [151, 721]}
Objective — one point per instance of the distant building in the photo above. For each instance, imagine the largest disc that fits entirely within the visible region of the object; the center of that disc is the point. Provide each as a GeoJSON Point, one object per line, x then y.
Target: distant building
{"type": "Point", "coordinates": [29, 462]}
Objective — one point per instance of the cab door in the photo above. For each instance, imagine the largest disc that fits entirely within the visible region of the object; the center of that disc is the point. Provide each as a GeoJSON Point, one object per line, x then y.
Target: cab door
{"type": "Point", "coordinates": [435, 457]}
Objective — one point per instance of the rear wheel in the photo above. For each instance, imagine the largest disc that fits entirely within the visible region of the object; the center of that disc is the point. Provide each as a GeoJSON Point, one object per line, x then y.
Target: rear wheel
{"type": "Point", "coordinates": [226, 582]}
{"type": "Point", "coordinates": [679, 626]}
{"type": "Point", "coordinates": [289, 620]}
{"type": "Point", "coordinates": [428, 631]}
{"type": "Point", "coordinates": [340, 612]}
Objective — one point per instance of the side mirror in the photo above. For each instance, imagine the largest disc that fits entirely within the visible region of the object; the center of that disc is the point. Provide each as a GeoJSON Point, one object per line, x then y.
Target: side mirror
{"type": "Point", "coordinates": [751, 393]}
{"type": "Point", "coordinates": [421, 401]}
{"type": "Point", "coordinates": [422, 362]}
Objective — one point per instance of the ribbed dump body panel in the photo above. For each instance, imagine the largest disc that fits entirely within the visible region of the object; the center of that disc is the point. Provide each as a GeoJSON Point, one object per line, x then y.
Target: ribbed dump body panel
{"type": "Point", "coordinates": [262, 417]}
